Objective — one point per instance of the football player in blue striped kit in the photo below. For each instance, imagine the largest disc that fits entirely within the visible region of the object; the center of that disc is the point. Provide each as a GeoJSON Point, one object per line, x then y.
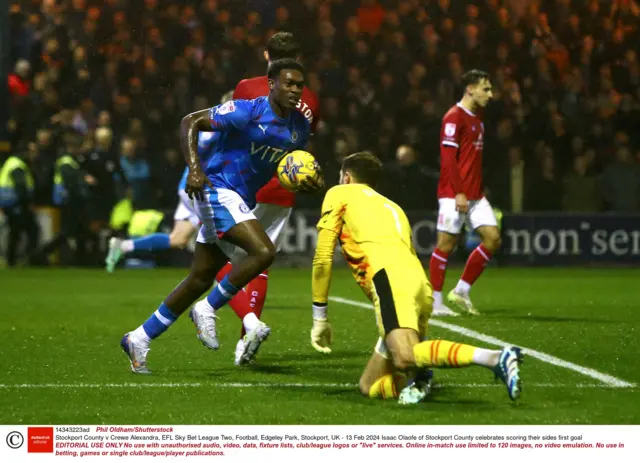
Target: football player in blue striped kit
{"type": "Point", "coordinates": [253, 135]}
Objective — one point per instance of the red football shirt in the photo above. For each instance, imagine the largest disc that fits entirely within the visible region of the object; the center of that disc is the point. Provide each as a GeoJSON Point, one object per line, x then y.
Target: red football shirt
{"type": "Point", "coordinates": [248, 89]}
{"type": "Point", "coordinates": [462, 131]}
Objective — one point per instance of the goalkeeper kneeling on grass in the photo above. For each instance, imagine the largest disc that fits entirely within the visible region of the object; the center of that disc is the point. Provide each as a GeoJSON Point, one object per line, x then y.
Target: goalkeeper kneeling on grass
{"type": "Point", "coordinates": [375, 238]}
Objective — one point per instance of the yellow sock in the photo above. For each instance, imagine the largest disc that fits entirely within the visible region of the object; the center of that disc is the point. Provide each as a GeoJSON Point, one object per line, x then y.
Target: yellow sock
{"type": "Point", "coordinates": [443, 354]}
{"type": "Point", "coordinates": [388, 387]}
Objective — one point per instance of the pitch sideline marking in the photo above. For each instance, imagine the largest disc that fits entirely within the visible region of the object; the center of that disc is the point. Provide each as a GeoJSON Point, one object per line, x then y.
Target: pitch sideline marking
{"type": "Point", "coordinates": [276, 385]}
{"type": "Point", "coordinates": [609, 380]}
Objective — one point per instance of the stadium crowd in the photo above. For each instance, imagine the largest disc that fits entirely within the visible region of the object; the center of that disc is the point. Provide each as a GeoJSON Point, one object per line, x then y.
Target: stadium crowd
{"type": "Point", "coordinates": [108, 81]}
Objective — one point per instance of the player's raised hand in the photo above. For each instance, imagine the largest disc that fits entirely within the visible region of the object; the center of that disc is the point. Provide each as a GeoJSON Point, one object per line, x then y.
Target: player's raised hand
{"type": "Point", "coordinates": [196, 180]}
{"type": "Point", "coordinates": [321, 335]}
{"type": "Point", "coordinates": [462, 205]}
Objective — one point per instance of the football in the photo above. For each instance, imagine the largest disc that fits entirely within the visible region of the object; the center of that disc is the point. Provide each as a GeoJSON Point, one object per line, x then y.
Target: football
{"type": "Point", "coordinates": [295, 167]}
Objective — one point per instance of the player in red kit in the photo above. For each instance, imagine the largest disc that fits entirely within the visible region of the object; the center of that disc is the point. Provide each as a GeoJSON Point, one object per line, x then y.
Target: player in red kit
{"type": "Point", "coordinates": [273, 207]}
{"type": "Point", "coordinates": [461, 193]}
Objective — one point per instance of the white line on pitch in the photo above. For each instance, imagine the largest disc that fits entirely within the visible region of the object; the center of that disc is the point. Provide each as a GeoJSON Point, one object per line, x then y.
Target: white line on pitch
{"type": "Point", "coordinates": [279, 385]}
{"type": "Point", "coordinates": [590, 372]}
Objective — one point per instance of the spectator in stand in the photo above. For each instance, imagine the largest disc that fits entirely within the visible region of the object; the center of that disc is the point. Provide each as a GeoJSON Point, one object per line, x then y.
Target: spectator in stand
{"type": "Point", "coordinates": [418, 190]}
{"type": "Point", "coordinates": [18, 81]}
{"type": "Point", "coordinates": [370, 16]}
{"type": "Point", "coordinates": [137, 174]}
{"type": "Point", "coordinates": [545, 191]}
{"type": "Point", "coordinates": [101, 166]}
{"type": "Point", "coordinates": [508, 186]}
{"type": "Point", "coordinates": [621, 183]}
{"type": "Point", "coordinates": [582, 191]}
{"type": "Point", "coordinates": [43, 154]}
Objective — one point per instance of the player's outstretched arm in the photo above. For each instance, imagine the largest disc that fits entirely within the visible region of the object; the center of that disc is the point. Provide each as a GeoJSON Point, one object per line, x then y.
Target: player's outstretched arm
{"type": "Point", "coordinates": [321, 332]}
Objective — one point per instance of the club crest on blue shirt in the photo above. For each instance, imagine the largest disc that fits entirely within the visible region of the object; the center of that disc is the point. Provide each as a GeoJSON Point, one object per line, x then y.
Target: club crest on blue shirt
{"type": "Point", "coordinates": [294, 136]}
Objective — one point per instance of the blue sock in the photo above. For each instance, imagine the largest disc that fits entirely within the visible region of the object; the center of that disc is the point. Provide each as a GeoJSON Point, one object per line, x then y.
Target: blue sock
{"type": "Point", "coordinates": [155, 242]}
{"type": "Point", "coordinates": [222, 293]}
{"type": "Point", "coordinates": [159, 322]}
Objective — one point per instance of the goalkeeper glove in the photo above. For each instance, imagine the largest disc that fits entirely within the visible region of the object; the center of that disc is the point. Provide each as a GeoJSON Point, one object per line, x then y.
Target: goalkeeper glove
{"type": "Point", "coordinates": [321, 332]}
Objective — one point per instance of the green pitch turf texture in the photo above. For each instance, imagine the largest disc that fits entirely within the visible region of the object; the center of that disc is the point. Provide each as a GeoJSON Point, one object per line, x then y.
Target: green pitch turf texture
{"type": "Point", "coordinates": [60, 333]}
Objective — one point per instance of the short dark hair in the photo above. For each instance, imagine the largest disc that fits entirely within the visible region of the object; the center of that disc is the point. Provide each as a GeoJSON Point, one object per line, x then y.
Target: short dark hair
{"type": "Point", "coordinates": [364, 166]}
{"type": "Point", "coordinates": [282, 45]}
{"type": "Point", "coordinates": [473, 77]}
{"type": "Point", "coordinates": [285, 63]}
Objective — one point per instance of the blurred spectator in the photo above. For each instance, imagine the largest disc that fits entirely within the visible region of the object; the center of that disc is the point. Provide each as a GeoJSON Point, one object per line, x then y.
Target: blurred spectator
{"type": "Point", "coordinates": [19, 87]}
{"type": "Point", "coordinates": [101, 166]}
{"type": "Point", "coordinates": [545, 189]}
{"type": "Point", "coordinates": [370, 16]}
{"type": "Point", "coordinates": [581, 190]}
{"type": "Point", "coordinates": [408, 184]}
{"type": "Point", "coordinates": [508, 190]}
{"type": "Point", "coordinates": [42, 155]}
{"type": "Point", "coordinates": [104, 119]}
{"type": "Point", "coordinates": [18, 81]}
{"type": "Point", "coordinates": [621, 183]}
{"type": "Point", "coordinates": [137, 174]}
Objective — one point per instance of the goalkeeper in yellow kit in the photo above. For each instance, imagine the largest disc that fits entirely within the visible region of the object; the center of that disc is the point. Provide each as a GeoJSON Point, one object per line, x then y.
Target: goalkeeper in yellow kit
{"type": "Point", "coordinates": [375, 237]}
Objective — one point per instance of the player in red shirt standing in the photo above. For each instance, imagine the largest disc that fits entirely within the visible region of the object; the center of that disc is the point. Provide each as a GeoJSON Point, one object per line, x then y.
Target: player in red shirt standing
{"type": "Point", "coordinates": [461, 193]}
{"type": "Point", "coordinates": [273, 207]}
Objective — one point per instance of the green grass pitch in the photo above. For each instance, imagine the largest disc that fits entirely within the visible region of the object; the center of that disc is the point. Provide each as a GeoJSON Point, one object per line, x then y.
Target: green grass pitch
{"type": "Point", "coordinates": [61, 362]}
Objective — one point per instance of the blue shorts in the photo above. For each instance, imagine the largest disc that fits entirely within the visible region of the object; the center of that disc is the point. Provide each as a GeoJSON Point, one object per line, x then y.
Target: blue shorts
{"type": "Point", "coordinates": [219, 211]}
